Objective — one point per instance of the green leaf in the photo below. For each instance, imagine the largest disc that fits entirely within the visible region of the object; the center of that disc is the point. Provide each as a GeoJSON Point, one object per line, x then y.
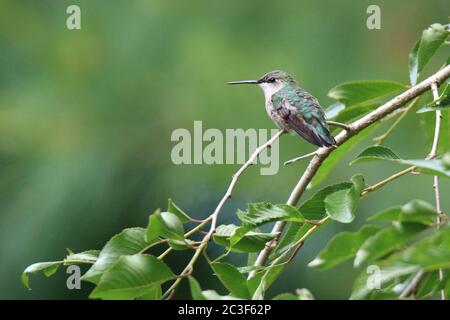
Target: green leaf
{"type": "Point", "coordinates": [354, 112]}
{"type": "Point", "coordinates": [337, 155]}
{"type": "Point", "coordinates": [385, 241]}
{"type": "Point", "coordinates": [249, 241]}
{"type": "Point", "coordinates": [89, 256]}
{"type": "Point", "coordinates": [173, 208]}
{"type": "Point", "coordinates": [429, 284]}
{"type": "Point", "coordinates": [434, 108]}
{"type": "Point", "coordinates": [428, 122]}
{"type": "Point", "coordinates": [415, 211]}
{"type": "Point", "coordinates": [333, 110]}
{"type": "Point", "coordinates": [232, 279]}
{"type": "Point", "coordinates": [434, 167]}
{"type": "Point", "coordinates": [196, 290]}
{"type": "Point", "coordinates": [432, 38]}
{"type": "Point", "coordinates": [439, 167]}
{"type": "Point", "coordinates": [131, 277]}
{"type": "Point", "coordinates": [251, 258]}
{"type": "Point", "coordinates": [165, 224]}
{"type": "Point", "coordinates": [341, 205]}
{"type": "Point", "coordinates": [375, 153]}
{"type": "Point", "coordinates": [265, 212]}
{"type": "Point", "coordinates": [387, 274]}
{"type": "Point", "coordinates": [152, 293]}
{"type": "Point", "coordinates": [430, 253]}
{"type": "Point", "coordinates": [364, 92]}
{"type": "Point", "coordinates": [295, 231]}
{"type": "Point", "coordinates": [129, 241]}
{"type": "Point", "coordinates": [314, 207]}
{"type": "Point", "coordinates": [47, 268]}
{"type": "Point", "coordinates": [262, 280]}
{"type": "Point", "coordinates": [304, 294]}
{"type": "Point", "coordinates": [342, 247]}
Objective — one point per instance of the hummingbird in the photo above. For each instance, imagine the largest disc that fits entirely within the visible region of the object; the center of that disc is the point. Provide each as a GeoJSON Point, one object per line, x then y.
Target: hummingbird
{"type": "Point", "coordinates": [292, 108]}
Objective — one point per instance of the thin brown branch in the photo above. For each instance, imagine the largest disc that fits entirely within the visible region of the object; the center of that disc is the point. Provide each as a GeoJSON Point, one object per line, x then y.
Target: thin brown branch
{"type": "Point", "coordinates": [353, 129]}
{"type": "Point", "coordinates": [437, 126]}
{"type": "Point", "coordinates": [382, 183]}
{"type": "Point", "coordinates": [412, 287]}
{"type": "Point", "coordinates": [234, 180]}
{"type": "Point", "coordinates": [338, 124]}
{"type": "Point", "coordinates": [380, 139]}
{"type": "Point", "coordinates": [214, 216]}
{"type": "Point", "coordinates": [433, 153]}
{"type": "Point", "coordinates": [311, 154]}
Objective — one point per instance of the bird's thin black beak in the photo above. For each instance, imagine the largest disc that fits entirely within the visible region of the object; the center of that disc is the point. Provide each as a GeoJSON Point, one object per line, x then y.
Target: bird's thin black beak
{"type": "Point", "coordinates": [244, 82]}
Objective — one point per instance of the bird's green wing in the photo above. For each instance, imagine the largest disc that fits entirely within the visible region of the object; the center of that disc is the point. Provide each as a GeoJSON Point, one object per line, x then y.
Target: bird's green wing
{"type": "Point", "coordinates": [305, 115]}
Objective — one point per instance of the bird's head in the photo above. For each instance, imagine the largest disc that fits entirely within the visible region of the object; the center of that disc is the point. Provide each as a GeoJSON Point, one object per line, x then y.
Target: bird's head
{"type": "Point", "coordinates": [270, 83]}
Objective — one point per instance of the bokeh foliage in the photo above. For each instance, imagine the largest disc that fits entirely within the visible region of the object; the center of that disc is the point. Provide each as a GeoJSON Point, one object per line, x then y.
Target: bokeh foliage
{"type": "Point", "coordinates": [86, 116]}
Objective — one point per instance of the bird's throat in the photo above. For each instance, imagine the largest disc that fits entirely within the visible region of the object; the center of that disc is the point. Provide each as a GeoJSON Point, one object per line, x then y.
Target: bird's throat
{"type": "Point", "coordinates": [270, 89]}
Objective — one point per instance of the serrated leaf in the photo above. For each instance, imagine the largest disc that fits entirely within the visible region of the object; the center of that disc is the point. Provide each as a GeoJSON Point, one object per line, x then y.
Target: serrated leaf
{"type": "Point", "coordinates": [131, 277]}
{"type": "Point", "coordinates": [438, 167]}
{"type": "Point", "coordinates": [47, 268]}
{"type": "Point", "coordinates": [341, 205]}
{"type": "Point", "coordinates": [129, 241]}
{"type": "Point", "coordinates": [375, 153]}
{"type": "Point", "coordinates": [386, 241]}
{"type": "Point", "coordinates": [432, 38]}
{"type": "Point", "coordinates": [249, 241]}
{"type": "Point", "coordinates": [196, 290]}
{"type": "Point", "coordinates": [265, 212]}
{"type": "Point", "coordinates": [166, 225]}
{"type": "Point", "coordinates": [364, 92]}
{"type": "Point", "coordinates": [342, 247]}
{"type": "Point", "coordinates": [232, 279]}
{"type": "Point", "coordinates": [414, 211]}
{"type": "Point", "coordinates": [173, 208]}
{"type": "Point", "coordinates": [314, 207]}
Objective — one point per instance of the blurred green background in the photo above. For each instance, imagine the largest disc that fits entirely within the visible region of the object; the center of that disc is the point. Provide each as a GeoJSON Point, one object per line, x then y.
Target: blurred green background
{"type": "Point", "coordinates": [86, 118]}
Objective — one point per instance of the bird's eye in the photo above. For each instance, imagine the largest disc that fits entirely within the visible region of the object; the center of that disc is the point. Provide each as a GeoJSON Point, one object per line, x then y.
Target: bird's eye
{"type": "Point", "coordinates": [271, 79]}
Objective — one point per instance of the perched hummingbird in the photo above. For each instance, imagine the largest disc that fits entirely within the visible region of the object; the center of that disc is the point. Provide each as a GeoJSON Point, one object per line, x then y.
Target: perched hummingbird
{"type": "Point", "coordinates": [293, 109]}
